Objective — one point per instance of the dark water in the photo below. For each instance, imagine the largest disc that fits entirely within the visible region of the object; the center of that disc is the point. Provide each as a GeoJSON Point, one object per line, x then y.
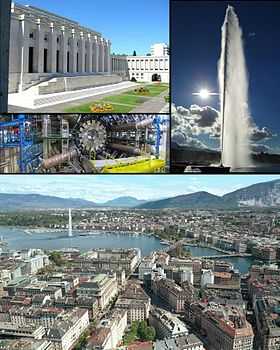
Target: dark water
{"type": "Point", "coordinates": [17, 239]}
{"type": "Point", "coordinates": [242, 264]}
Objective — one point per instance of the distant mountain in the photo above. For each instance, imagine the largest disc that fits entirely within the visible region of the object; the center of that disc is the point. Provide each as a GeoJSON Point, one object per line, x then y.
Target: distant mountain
{"type": "Point", "coordinates": [188, 201]}
{"type": "Point", "coordinates": [36, 201]}
{"type": "Point", "coordinates": [124, 202]}
{"type": "Point", "coordinates": [266, 194]}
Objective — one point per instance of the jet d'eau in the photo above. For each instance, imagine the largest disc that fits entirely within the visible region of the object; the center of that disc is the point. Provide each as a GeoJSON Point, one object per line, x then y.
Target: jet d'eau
{"type": "Point", "coordinates": [224, 116]}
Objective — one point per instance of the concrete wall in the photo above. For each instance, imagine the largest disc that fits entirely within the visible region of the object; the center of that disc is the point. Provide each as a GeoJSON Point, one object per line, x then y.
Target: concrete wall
{"type": "Point", "coordinates": [76, 83]}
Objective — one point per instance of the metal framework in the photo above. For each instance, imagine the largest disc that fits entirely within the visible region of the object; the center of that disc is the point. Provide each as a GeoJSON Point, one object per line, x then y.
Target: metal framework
{"type": "Point", "coordinates": [23, 141]}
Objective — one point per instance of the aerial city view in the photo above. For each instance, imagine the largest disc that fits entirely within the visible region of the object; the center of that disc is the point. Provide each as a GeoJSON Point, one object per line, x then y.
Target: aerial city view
{"type": "Point", "coordinates": [173, 268]}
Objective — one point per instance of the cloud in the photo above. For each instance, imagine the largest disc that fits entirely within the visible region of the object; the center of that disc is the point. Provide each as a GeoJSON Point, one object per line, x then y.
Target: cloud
{"type": "Point", "coordinates": [188, 123]}
{"type": "Point", "coordinates": [195, 120]}
{"type": "Point", "coordinates": [258, 134]}
{"type": "Point", "coordinates": [185, 140]}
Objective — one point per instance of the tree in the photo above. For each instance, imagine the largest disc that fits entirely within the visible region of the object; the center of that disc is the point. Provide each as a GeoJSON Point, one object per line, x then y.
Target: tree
{"type": "Point", "coordinates": [145, 332]}
{"type": "Point", "coordinates": [150, 334]}
{"type": "Point", "coordinates": [56, 258]}
{"type": "Point", "coordinates": [142, 330]}
{"type": "Point", "coordinates": [134, 53]}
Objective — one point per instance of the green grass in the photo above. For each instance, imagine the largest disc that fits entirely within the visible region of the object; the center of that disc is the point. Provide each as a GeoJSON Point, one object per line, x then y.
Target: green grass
{"type": "Point", "coordinates": [124, 102]}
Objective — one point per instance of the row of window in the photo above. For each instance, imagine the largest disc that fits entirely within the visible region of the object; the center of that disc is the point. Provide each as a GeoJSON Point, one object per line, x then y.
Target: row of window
{"type": "Point", "coordinates": [148, 69]}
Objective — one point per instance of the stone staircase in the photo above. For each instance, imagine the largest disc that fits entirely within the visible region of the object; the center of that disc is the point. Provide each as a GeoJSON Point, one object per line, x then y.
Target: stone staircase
{"type": "Point", "coordinates": [57, 90]}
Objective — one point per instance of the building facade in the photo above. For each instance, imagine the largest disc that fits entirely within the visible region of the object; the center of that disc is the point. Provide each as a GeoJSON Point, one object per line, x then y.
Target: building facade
{"type": "Point", "coordinates": [166, 324]}
{"type": "Point", "coordinates": [43, 45]}
{"type": "Point", "coordinates": [102, 287]}
{"type": "Point", "coordinates": [150, 68]}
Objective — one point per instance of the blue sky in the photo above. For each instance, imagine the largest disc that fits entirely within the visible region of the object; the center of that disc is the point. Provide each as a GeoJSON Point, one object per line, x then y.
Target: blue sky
{"type": "Point", "coordinates": [101, 188]}
{"type": "Point", "coordinates": [130, 25]}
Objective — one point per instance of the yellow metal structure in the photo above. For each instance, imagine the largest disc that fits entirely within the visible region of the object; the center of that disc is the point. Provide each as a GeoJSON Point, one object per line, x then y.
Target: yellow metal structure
{"type": "Point", "coordinates": [143, 166]}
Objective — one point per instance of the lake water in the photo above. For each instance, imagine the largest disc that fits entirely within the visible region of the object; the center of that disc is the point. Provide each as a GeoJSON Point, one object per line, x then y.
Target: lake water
{"type": "Point", "coordinates": [242, 264]}
{"type": "Point", "coordinates": [18, 238]}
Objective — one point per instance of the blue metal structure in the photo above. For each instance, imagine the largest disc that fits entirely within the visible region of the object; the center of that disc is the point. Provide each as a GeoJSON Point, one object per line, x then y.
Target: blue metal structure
{"type": "Point", "coordinates": [159, 120]}
{"type": "Point", "coordinates": [17, 134]}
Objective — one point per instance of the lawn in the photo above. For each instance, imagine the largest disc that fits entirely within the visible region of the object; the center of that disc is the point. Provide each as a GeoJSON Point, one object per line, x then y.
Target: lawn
{"type": "Point", "coordinates": [124, 102]}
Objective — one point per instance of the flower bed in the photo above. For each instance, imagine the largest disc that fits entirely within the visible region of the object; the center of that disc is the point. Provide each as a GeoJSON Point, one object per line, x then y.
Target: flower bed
{"type": "Point", "coordinates": [142, 91]}
{"type": "Point", "coordinates": [101, 107]}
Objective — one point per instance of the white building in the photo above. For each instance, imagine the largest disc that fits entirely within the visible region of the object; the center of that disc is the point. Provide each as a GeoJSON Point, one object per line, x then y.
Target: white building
{"type": "Point", "coordinates": [109, 332]}
{"type": "Point", "coordinates": [150, 68]}
{"type": "Point", "coordinates": [207, 277]}
{"type": "Point", "coordinates": [67, 331]}
{"type": "Point", "coordinates": [102, 287]}
{"type": "Point", "coordinates": [166, 324]}
{"type": "Point", "coordinates": [45, 45]}
{"type": "Point", "coordinates": [160, 49]}
{"type": "Point", "coordinates": [146, 266]}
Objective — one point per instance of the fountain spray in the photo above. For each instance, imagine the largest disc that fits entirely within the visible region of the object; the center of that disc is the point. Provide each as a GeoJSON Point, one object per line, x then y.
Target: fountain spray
{"type": "Point", "coordinates": [233, 86]}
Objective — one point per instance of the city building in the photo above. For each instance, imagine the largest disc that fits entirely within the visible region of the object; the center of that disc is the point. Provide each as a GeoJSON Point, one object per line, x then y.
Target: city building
{"type": "Point", "coordinates": [102, 287]}
{"type": "Point", "coordinates": [207, 277]}
{"type": "Point", "coordinates": [115, 259]}
{"type": "Point", "coordinates": [45, 317]}
{"type": "Point", "coordinates": [25, 344]}
{"type": "Point", "coordinates": [109, 332]}
{"type": "Point", "coordinates": [67, 330]}
{"type": "Point", "coordinates": [135, 301]}
{"type": "Point", "coordinates": [170, 292]}
{"type": "Point", "coordinates": [183, 342]}
{"type": "Point", "coordinates": [146, 266]}
{"type": "Point", "coordinates": [267, 313]}
{"type": "Point", "coordinates": [166, 324]}
{"type": "Point", "coordinates": [226, 328]}
{"type": "Point", "coordinates": [29, 331]}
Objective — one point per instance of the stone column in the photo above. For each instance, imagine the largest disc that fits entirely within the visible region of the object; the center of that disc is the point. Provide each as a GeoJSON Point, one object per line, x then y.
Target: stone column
{"type": "Point", "coordinates": [82, 53]}
{"type": "Point", "coordinates": [101, 56]}
{"type": "Point", "coordinates": [24, 51]}
{"type": "Point", "coordinates": [73, 53]}
{"type": "Point", "coordinates": [39, 48]}
{"type": "Point", "coordinates": [89, 54]}
{"type": "Point", "coordinates": [63, 50]}
{"type": "Point", "coordinates": [95, 63]}
{"type": "Point", "coordinates": [109, 57]}
{"type": "Point", "coordinates": [53, 48]}
{"type": "Point", "coordinates": [105, 56]}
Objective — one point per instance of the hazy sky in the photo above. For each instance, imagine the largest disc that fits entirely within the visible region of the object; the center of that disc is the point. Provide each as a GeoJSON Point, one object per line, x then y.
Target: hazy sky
{"type": "Point", "coordinates": [100, 188]}
{"type": "Point", "coordinates": [130, 25]}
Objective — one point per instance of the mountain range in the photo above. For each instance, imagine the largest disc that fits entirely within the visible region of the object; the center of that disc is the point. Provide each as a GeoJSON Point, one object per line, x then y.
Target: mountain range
{"type": "Point", "coordinates": [36, 201]}
{"type": "Point", "coordinates": [265, 194]}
